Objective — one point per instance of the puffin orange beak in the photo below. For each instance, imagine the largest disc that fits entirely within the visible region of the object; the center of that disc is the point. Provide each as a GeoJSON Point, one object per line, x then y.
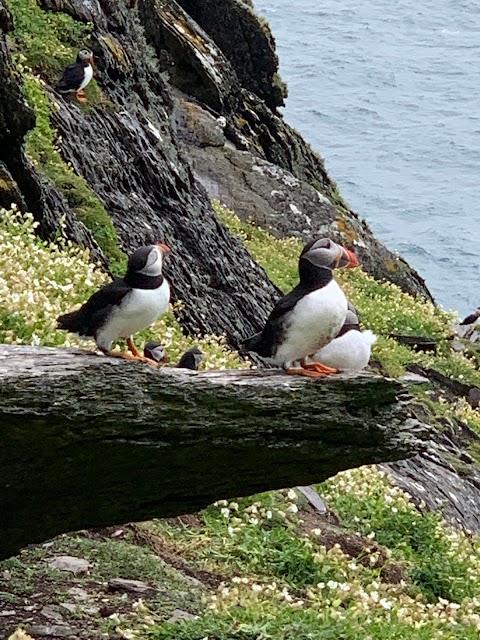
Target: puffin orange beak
{"type": "Point", "coordinates": [163, 247]}
{"type": "Point", "coordinates": [348, 259]}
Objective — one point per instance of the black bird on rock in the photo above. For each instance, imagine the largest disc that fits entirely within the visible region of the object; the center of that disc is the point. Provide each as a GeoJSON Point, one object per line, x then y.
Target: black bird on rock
{"type": "Point", "coordinates": [126, 305]}
{"type": "Point", "coordinates": [311, 315]}
{"type": "Point", "coordinates": [77, 76]}
{"type": "Point", "coordinates": [472, 318]}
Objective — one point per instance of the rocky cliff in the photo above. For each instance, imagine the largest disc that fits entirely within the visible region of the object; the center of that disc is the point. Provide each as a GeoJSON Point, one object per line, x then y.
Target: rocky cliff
{"type": "Point", "coordinates": [183, 110]}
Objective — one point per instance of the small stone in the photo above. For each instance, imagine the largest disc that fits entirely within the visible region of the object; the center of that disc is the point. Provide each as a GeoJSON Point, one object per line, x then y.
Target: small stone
{"type": "Point", "coordinates": [6, 575]}
{"type": "Point", "coordinates": [51, 614]}
{"type": "Point", "coordinates": [132, 586]}
{"type": "Point", "coordinates": [54, 630]}
{"type": "Point", "coordinates": [8, 612]}
{"type": "Point", "coordinates": [117, 533]}
{"type": "Point", "coordinates": [179, 614]}
{"type": "Point", "coordinates": [69, 606]}
{"type": "Point", "coordinates": [91, 611]}
{"type": "Point", "coordinates": [76, 592]}
{"type": "Point", "coordinates": [69, 563]}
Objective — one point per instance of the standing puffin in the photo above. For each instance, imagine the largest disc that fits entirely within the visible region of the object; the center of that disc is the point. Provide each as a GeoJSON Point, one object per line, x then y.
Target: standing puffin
{"type": "Point", "coordinates": [311, 315]}
{"type": "Point", "coordinates": [126, 305]}
{"type": "Point", "coordinates": [351, 349]}
{"type": "Point", "coordinates": [77, 75]}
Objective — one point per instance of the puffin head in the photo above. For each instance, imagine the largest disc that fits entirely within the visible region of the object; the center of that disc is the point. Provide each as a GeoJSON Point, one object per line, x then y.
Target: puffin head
{"type": "Point", "coordinates": [191, 359]}
{"type": "Point", "coordinates": [326, 254]}
{"type": "Point", "coordinates": [155, 351]}
{"type": "Point", "coordinates": [148, 261]}
{"type": "Point", "coordinates": [85, 55]}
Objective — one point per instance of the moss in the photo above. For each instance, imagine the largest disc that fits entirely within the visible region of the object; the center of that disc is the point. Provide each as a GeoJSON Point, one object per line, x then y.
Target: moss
{"type": "Point", "coordinates": [115, 48]}
{"type": "Point", "coordinates": [41, 148]}
{"type": "Point", "coordinates": [348, 234]}
{"type": "Point", "coordinates": [474, 450]}
{"type": "Point", "coordinates": [46, 40]}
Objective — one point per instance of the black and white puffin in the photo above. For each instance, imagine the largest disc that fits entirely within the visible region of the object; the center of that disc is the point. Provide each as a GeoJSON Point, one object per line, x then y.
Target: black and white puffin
{"type": "Point", "coordinates": [77, 75]}
{"type": "Point", "coordinates": [350, 350]}
{"type": "Point", "coordinates": [311, 315]}
{"type": "Point", "coordinates": [126, 305]}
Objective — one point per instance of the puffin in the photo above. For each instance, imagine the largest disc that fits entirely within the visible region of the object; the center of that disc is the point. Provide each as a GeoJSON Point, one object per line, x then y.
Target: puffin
{"type": "Point", "coordinates": [77, 75]}
{"type": "Point", "coordinates": [191, 359]}
{"type": "Point", "coordinates": [351, 349]}
{"type": "Point", "coordinates": [155, 351]}
{"type": "Point", "coordinates": [126, 305]}
{"type": "Point", "coordinates": [472, 318]}
{"type": "Point", "coordinates": [310, 316]}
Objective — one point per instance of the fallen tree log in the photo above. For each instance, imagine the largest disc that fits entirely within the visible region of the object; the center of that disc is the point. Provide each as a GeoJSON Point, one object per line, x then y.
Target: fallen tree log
{"type": "Point", "coordinates": [89, 441]}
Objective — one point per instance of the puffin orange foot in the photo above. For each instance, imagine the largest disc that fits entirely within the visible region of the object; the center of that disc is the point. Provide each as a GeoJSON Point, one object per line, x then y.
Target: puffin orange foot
{"type": "Point", "coordinates": [305, 372]}
{"type": "Point", "coordinates": [81, 97]}
{"type": "Point", "coordinates": [137, 355]}
{"type": "Point", "coordinates": [129, 356]}
{"type": "Point", "coordinates": [118, 354]}
{"type": "Point", "coordinates": [320, 368]}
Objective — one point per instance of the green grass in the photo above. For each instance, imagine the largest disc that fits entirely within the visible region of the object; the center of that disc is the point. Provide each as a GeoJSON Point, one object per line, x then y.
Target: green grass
{"type": "Point", "coordinates": [47, 40]}
{"type": "Point", "coordinates": [41, 148]}
{"type": "Point", "coordinates": [437, 567]}
{"type": "Point", "coordinates": [270, 622]}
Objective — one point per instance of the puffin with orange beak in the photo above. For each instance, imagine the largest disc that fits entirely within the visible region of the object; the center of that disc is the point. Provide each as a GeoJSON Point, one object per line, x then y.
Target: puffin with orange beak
{"type": "Point", "coordinates": [125, 306]}
{"type": "Point", "coordinates": [77, 75]}
{"type": "Point", "coordinates": [310, 316]}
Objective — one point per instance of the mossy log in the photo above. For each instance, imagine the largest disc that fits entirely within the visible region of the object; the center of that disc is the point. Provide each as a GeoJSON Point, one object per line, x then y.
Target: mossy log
{"type": "Point", "coordinates": [89, 441]}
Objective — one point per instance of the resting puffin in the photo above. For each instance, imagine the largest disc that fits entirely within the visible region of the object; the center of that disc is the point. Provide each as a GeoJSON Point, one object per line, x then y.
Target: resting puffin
{"type": "Point", "coordinates": [77, 75]}
{"type": "Point", "coordinates": [126, 305]}
{"type": "Point", "coordinates": [351, 349]}
{"type": "Point", "coordinates": [311, 315]}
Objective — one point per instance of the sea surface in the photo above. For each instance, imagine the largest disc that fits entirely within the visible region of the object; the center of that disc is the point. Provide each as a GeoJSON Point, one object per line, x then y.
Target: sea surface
{"type": "Point", "coordinates": [389, 94]}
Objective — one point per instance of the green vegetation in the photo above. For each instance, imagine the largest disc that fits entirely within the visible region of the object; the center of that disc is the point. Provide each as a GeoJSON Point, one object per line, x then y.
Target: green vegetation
{"type": "Point", "coordinates": [109, 558]}
{"type": "Point", "coordinates": [46, 42]}
{"type": "Point", "coordinates": [41, 148]}
{"type": "Point", "coordinates": [284, 577]}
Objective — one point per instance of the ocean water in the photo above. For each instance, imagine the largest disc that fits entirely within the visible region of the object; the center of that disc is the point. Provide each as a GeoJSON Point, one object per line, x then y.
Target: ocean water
{"type": "Point", "coordinates": [389, 94]}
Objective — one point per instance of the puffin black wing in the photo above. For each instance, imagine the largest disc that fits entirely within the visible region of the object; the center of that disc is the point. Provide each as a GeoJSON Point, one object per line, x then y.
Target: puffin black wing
{"type": "Point", "coordinates": [72, 78]}
{"type": "Point", "coordinates": [87, 320]}
{"type": "Point", "coordinates": [264, 343]}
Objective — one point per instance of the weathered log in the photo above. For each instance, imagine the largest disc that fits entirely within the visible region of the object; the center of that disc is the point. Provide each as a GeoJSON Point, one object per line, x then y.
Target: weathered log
{"type": "Point", "coordinates": [89, 441]}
